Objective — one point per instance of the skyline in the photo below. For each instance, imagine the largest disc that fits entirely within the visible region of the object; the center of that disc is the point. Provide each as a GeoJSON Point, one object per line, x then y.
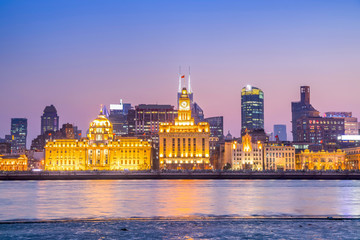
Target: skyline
{"type": "Point", "coordinates": [50, 51]}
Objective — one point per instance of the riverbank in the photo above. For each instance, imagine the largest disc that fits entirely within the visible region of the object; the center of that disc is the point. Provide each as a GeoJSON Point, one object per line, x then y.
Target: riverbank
{"type": "Point", "coordinates": [185, 229]}
{"type": "Point", "coordinates": [112, 175]}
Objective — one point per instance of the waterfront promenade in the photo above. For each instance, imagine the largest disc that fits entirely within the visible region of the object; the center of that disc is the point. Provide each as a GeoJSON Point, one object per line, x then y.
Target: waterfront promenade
{"type": "Point", "coordinates": [103, 175]}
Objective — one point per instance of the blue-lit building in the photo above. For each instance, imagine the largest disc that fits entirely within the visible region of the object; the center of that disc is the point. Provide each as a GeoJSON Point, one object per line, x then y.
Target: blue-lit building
{"type": "Point", "coordinates": [18, 134]}
{"type": "Point", "coordinates": [252, 108]}
{"type": "Point", "coordinates": [216, 126]}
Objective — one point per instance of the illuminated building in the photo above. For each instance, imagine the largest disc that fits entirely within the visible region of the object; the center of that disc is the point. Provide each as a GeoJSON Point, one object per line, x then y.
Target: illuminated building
{"type": "Point", "coordinates": [247, 155]}
{"type": "Point", "coordinates": [352, 158]}
{"type": "Point", "coordinates": [13, 163]}
{"type": "Point", "coordinates": [280, 132]}
{"type": "Point", "coordinates": [182, 143]}
{"type": "Point", "coordinates": [100, 151]}
{"type": "Point", "coordinates": [321, 160]}
{"type": "Point", "coordinates": [252, 108]}
{"type": "Point", "coordinates": [349, 141]}
{"type": "Point", "coordinates": [279, 157]}
{"type": "Point", "coordinates": [18, 135]}
{"type": "Point", "coordinates": [350, 122]}
{"type": "Point", "coordinates": [49, 119]}
{"type": "Point", "coordinates": [302, 109]}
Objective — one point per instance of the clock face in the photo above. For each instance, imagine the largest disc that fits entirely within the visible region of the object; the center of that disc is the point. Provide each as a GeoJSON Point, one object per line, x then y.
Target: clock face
{"type": "Point", "coordinates": [184, 104]}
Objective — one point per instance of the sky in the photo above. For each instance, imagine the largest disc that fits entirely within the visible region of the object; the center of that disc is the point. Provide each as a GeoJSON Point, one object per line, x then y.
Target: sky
{"type": "Point", "coordinates": [79, 54]}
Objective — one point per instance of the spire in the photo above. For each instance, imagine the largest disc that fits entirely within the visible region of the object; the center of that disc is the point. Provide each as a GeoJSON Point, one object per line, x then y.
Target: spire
{"type": "Point", "coordinates": [101, 109]}
{"type": "Point", "coordinates": [179, 90]}
{"type": "Point", "coordinates": [189, 83]}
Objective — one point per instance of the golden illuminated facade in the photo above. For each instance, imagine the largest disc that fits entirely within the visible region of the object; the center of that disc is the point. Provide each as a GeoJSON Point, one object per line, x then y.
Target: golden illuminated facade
{"type": "Point", "coordinates": [100, 151]}
{"type": "Point", "coordinates": [13, 163]}
{"type": "Point", "coordinates": [353, 158]}
{"type": "Point", "coordinates": [182, 143]}
{"type": "Point", "coordinates": [246, 155]}
{"type": "Point", "coordinates": [322, 160]}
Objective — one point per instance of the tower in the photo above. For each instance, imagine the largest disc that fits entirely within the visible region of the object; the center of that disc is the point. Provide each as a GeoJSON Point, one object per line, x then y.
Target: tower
{"type": "Point", "coordinates": [49, 119]}
{"type": "Point", "coordinates": [252, 108]}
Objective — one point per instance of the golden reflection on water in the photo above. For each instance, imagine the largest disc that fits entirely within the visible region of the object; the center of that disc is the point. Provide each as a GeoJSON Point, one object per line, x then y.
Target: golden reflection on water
{"type": "Point", "coordinates": [177, 198]}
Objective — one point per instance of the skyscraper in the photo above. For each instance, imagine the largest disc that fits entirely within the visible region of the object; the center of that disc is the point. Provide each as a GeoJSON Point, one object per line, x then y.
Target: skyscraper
{"type": "Point", "coordinates": [49, 119]}
{"type": "Point", "coordinates": [118, 117]}
{"type": "Point", "coordinates": [18, 134]}
{"type": "Point", "coordinates": [280, 132]}
{"type": "Point", "coordinates": [252, 108]}
{"type": "Point", "coordinates": [302, 109]}
{"type": "Point", "coordinates": [216, 126]}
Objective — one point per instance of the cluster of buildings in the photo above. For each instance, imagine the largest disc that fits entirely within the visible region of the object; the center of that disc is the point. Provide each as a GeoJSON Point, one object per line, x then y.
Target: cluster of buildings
{"type": "Point", "coordinates": [153, 136]}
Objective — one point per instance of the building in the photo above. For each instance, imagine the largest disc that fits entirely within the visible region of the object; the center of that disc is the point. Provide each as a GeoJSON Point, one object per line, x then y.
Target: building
{"type": "Point", "coordinates": [252, 108]}
{"type": "Point", "coordinates": [302, 109]}
{"type": "Point", "coordinates": [149, 116]}
{"type": "Point", "coordinates": [280, 132]}
{"type": "Point", "coordinates": [13, 163]}
{"type": "Point", "coordinates": [183, 144]}
{"type": "Point", "coordinates": [216, 126]}
{"type": "Point", "coordinates": [118, 117]}
{"type": "Point", "coordinates": [350, 122]}
{"type": "Point", "coordinates": [259, 156]}
{"type": "Point", "coordinates": [5, 148]}
{"type": "Point", "coordinates": [321, 160]}
{"type": "Point", "coordinates": [49, 119]}
{"type": "Point", "coordinates": [349, 141]}
{"type": "Point", "coordinates": [319, 130]}
{"type": "Point", "coordinates": [247, 155]}
{"type": "Point", "coordinates": [279, 157]}
{"type": "Point", "coordinates": [352, 158]}
{"type": "Point", "coordinates": [18, 135]}
{"type": "Point", "coordinates": [68, 131]}
{"type": "Point", "coordinates": [100, 151]}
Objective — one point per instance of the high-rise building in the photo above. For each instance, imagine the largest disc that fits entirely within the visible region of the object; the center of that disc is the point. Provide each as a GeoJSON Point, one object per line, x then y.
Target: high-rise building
{"type": "Point", "coordinates": [118, 117]}
{"type": "Point", "coordinates": [252, 108]}
{"type": "Point", "coordinates": [49, 119]}
{"type": "Point", "coordinates": [302, 109]}
{"type": "Point", "coordinates": [18, 134]}
{"type": "Point", "coordinates": [149, 116]}
{"type": "Point", "coordinates": [280, 132]}
{"type": "Point", "coordinates": [319, 130]}
{"type": "Point", "coordinates": [216, 126]}
{"type": "Point", "coordinates": [350, 122]}
{"type": "Point", "coordinates": [183, 144]}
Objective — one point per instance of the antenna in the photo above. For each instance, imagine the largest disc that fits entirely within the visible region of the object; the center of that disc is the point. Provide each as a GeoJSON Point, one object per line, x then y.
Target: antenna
{"type": "Point", "coordinates": [189, 83]}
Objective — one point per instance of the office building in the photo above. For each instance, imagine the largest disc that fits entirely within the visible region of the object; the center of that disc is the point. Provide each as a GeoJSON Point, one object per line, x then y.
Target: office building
{"type": "Point", "coordinates": [252, 108]}
{"type": "Point", "coordinates": [352, 157]}
{"type": "Point", "coordinates": [216, 126]}
{"type": "Point", "coordinates": [280, 132]}
{"type": "Point", "coordinates": [18, 135]}
{"type": "Point", "coordinates": [183, 144]}
{"type": "Point", "coordinates": [350, 122]}
{"type": "Point", "coordinates": [49, 119]}
{"type": "Point", "coordinates": [302, 109]}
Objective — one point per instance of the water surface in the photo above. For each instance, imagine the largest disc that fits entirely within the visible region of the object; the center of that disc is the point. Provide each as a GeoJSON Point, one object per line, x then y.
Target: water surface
{"type": "Point", "coordinates": [104, 199]}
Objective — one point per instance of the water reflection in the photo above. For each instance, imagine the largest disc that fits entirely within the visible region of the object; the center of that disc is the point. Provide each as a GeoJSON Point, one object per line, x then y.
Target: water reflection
{"type": "Point", "coordinates": [149, 198]}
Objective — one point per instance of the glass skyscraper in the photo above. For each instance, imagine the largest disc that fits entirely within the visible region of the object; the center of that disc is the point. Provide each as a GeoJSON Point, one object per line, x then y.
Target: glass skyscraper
{"type": "Point", "coordinates": [18, 135]}
{"type": "Point", "coordinates": [252, 108]}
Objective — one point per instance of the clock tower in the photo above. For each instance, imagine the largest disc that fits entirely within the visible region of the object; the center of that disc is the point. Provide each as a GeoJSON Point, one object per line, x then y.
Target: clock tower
{"type": "Point", "coordinates": [184, 113]}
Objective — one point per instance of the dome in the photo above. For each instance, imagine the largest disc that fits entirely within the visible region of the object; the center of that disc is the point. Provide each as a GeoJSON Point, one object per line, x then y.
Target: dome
{"type": "Point", "coordinates": [101, 128]}
{"type": "Point", "coordinates": [101, 121]}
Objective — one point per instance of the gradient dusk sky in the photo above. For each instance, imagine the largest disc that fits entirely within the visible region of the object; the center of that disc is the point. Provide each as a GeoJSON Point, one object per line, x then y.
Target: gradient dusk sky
{"type": "Point", "coordinates": [80, 54]}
